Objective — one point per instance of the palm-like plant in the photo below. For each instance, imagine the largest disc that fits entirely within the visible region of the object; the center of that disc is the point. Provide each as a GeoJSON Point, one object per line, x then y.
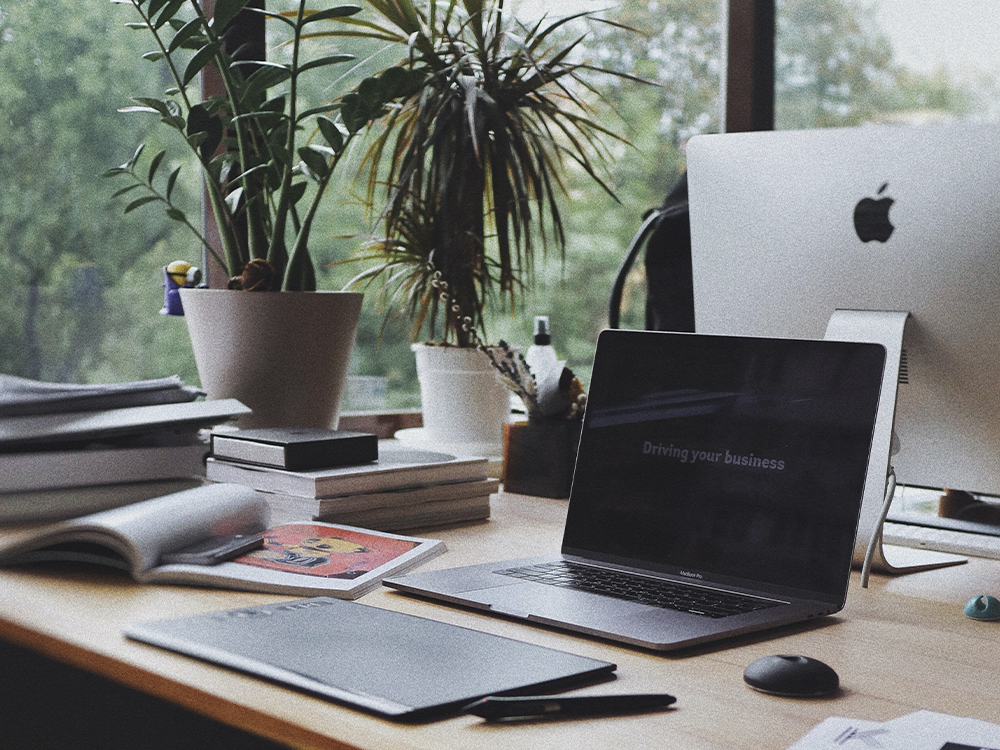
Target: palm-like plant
{"type": "Point", "coordinates": [257, 149]}
{"type": "Point", "coordinates": [476, 156]}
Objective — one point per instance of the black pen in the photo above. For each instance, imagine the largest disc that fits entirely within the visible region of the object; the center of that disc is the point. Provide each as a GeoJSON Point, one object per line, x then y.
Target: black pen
{"type": "Point", "coordinates": [522, 707]}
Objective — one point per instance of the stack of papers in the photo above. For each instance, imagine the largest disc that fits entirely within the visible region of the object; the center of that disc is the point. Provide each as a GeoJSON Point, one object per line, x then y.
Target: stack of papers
{"type": "Point", "coordinates": [22, 397]}
{"type": "Point", "coordinates": [922, 730]}
{"type": "Point", "coordinates": [68, 449]}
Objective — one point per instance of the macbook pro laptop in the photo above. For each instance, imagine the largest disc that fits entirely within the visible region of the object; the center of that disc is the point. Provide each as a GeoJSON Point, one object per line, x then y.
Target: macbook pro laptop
{"type": "Point", "coordinates": [717, 490]}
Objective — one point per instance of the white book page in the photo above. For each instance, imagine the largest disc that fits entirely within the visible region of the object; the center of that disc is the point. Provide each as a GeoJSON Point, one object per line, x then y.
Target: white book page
{"type": "Point", "coordinates": [143, 531]}
{"type": "Point", "coordinates": [921, 730]}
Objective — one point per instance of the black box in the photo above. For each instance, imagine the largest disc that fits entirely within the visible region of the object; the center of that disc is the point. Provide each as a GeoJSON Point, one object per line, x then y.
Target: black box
{"type": "Point", "coordinates": [295, 448]}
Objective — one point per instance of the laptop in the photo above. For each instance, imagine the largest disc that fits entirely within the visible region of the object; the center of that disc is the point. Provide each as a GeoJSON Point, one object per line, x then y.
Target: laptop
{"type": "Point", "coordinates": [716, 492]}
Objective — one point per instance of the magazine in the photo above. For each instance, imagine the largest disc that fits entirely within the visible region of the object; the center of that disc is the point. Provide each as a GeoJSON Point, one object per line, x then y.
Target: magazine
{"type": "Point", "coordinates": [302, 559]}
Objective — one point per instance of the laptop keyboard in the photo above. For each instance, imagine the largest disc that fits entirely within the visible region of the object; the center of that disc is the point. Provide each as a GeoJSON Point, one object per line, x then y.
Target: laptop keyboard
{"type": "Point", "coordinates": [642, 589]}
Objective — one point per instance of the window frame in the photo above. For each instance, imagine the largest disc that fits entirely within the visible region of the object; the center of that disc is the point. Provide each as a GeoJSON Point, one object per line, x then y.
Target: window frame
{"type": "Point", "coordinates": [748, 85]}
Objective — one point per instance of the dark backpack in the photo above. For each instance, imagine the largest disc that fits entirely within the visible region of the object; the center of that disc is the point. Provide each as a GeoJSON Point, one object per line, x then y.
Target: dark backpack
{"type": "Point", "coordinates": [669, 289]}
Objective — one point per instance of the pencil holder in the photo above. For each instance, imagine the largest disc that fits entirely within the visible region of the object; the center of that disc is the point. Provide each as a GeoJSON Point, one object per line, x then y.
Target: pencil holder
{"type": "Point", "coordinates": [539, 456]}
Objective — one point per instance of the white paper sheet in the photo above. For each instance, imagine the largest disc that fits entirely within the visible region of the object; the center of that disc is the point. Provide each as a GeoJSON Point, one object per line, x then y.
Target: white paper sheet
{"type": "Point", "coordinates": [921, 730]}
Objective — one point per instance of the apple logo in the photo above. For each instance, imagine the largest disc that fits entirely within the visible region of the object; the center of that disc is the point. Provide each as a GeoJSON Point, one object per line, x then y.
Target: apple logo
{"type": "Point", "coordinates": [871, 217]}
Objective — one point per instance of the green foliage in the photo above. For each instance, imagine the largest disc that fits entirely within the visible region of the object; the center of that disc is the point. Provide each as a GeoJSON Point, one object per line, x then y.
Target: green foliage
{"type": "Point", "coordinates": [83, 286]}
{"type": "Point", "coordinates": [258, 155]}
{"type": "Point", "coordinates": [679, 48]}
{"type": "Point", "coordinates": [62, 242]}
{"type": "Point", "coordinates": [834, 70]}
{"type": "Point", "coordinates": [491, 112]}
{"type": "Point", "coordinates": [155, 345]}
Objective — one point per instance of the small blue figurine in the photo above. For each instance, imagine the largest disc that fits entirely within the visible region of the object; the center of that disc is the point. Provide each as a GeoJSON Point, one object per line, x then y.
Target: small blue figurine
{"type": "Point", "coordinates": [177, 275]}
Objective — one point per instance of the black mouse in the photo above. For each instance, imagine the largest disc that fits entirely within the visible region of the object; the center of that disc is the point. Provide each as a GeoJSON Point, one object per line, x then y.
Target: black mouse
{"type": "Point", "coordinates": [791, 676]}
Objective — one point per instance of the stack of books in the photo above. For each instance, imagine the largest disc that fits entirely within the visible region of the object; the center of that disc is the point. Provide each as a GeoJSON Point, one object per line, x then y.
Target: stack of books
{"type": "Point", "coordinates": [404, 488]}
{"type": "Point", "coordinates": [67, 450]}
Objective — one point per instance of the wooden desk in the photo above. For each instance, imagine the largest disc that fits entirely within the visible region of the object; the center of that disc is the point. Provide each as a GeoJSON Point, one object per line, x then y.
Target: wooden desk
{"type": "Point", "coordinates": [899, 646]}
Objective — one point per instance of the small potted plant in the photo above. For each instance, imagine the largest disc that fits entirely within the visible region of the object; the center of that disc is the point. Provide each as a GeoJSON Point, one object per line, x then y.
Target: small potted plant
{"type": "Point", "coordinates": [472, 161]}
{"type": "Point", "coordinates": [539, 455]}
{"type": "Point", "coordinates": [266, 164]}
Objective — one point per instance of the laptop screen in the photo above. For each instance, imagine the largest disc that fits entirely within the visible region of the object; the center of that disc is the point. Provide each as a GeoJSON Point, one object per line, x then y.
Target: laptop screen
{"type": "Point", "coordinates": [729, 460]}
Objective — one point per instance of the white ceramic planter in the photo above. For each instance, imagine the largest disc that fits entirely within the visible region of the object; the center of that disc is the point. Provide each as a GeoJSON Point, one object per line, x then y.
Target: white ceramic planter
{"type": "Point", "coordinates": [283, 354]}
{"type": "Point", "coordinates": [461, 400]}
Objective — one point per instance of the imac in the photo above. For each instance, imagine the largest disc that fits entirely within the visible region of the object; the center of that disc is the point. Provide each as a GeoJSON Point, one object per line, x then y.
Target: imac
{"type": "Point", "coordinates": [789, 227]}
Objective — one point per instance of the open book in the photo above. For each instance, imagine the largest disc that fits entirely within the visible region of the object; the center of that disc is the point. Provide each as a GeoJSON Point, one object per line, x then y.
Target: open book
{"type": "Point", "coordinates": [302, 559]}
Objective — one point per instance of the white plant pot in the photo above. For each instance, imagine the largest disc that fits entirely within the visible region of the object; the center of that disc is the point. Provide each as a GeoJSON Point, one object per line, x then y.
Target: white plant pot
{"type": "Point", "coordinates": [283, 354]}
{"type": "Point", "coordinates": [461, 400]}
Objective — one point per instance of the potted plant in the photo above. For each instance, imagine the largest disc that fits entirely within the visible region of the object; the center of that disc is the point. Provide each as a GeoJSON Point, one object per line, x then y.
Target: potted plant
{"type": "Point", "coordinates": [266, 164]}
{"type": "Point", "coordinates": [472, 161]}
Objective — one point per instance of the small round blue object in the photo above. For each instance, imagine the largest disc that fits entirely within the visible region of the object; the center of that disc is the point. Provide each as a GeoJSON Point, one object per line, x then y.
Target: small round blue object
{"type": "Point", "coordinates": [983, 607]}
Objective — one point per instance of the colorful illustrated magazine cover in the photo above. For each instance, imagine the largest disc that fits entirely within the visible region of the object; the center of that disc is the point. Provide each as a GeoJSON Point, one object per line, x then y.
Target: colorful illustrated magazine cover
{"type": "Point", "coordinates": [327, 551]}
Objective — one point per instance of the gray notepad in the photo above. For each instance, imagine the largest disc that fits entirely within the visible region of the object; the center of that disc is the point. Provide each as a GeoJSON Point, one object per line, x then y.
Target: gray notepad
{"type": "Point", "coordinates": [397, 665]}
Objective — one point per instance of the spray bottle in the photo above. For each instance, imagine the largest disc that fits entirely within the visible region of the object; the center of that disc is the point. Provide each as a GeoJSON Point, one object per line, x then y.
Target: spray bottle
{"type": "Point", "coordinates": [541, 357]}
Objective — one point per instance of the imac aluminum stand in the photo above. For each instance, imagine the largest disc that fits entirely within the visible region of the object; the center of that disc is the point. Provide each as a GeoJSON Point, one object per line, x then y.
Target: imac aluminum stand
{"type": "Point", "coordinates": [886, 328]}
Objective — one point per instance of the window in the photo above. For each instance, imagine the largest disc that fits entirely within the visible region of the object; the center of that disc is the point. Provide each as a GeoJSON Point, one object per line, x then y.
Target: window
{"type": "Point", "coordinates": [846, 62]}
{"type": "Point", "coordinates": [83, 281]}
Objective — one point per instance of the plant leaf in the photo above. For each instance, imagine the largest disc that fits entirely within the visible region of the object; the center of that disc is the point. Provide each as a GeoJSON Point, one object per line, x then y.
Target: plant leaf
{"type": "Point", "coordinates": [140, 202]}
{"type": "Point", "coordinates": [315, 162]}
{"type": "Point", "coordinates": [273, 14]}
{"type": "Point", "coordinates": [338, 11]}
{"type": "Point", "coordinates": [135, 157]}
{"type": "Point", "coordinates": [127, 110]}
{"type": "Point", "coordinates": [323, 61]}
{"type": "Point", "coordinates": [317, 111]}
{"type": "Point", "coordinates": [267, 76]}
{"type": "Point", "coordinates": [201, 58]}
{"type": "Point", "coordinates": [331, 133]}
{"type": "Point", "coordinates": [168, 12]}
{"type": "Point", "coordinates": [225, 11]}
{"type": "Point", "coordinates": [297, 191]}
{"type": "Point", "coordinates": [186, 31]}
{"type": "Point", "coordinates": [171, 181]}
{"type": "Point", "coordinates": [124, 190]}
{"type": "Point", "coordinates": [154, 7]}
{"type": "Point", "coordinates": [160, 106]}
{"type": "Point", "coordinates": [154, 165]}
{"type": "Point", "coordinates": [201, 122]}
{"type": "Point", "coordinates": [233, 199]}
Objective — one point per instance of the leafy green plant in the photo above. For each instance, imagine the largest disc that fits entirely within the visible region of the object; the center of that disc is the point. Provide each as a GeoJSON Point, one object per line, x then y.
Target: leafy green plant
{"type": "Point", "coordinates": [258, 151]}
{"type": "Point", "coordinates": [473, 159]}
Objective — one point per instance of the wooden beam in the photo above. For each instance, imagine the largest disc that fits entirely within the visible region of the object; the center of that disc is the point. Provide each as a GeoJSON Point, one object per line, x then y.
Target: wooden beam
{"type": "Point", "coordinates": [750, 66]}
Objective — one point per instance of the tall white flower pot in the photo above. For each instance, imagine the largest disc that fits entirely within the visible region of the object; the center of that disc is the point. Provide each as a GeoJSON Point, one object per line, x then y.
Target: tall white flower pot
{"type": "Point", "coordinates": [462, 402]}
{"type": "Point", "coordinates": [283, 354]}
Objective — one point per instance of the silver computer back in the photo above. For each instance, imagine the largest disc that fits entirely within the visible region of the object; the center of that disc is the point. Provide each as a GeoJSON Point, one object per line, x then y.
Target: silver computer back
{"type": "Point", "coordinates": [776, 250]}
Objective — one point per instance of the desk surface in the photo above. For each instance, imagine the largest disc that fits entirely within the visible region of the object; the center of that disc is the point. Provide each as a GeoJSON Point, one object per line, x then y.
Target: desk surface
{"type": "Point", "coordinates": [901, 645]}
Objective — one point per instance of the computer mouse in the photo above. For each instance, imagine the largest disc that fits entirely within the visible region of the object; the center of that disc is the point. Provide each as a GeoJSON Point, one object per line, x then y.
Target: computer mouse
{"type": "Point", "coordinates": [791, 676]}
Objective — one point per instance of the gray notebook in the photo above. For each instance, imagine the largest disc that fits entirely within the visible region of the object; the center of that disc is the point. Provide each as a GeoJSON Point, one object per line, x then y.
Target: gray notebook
{"type": "Point", "coordinates": [397, 665]}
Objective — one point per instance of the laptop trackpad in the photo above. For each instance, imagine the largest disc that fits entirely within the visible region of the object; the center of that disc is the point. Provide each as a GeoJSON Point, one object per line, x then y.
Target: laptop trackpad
{"type": "Point", "coordinates": [552, 602]}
